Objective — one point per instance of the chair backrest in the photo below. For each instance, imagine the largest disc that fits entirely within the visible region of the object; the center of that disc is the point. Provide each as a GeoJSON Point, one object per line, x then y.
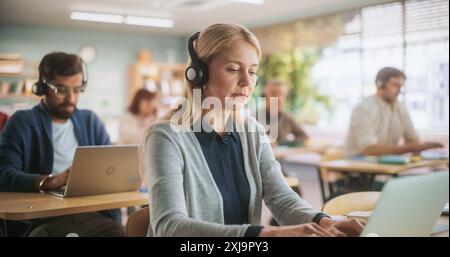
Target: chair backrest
{"type": "Point", "coordinates": [331, 154]}
{"type": "Point", "coordinates": [359, 201]}
{"type": "Point", "coordinates": [138, 223]}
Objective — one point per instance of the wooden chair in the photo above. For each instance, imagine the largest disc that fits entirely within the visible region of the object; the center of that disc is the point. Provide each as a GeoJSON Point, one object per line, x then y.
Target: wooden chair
{"type": "Point", "coordinates": [138, 222]}
{"type": "Point", "coordinates": [358, 201]}
{"type": "Point", "coordinates": [328, 177]}
{"type": "Point", "coordinates": [294, 183]}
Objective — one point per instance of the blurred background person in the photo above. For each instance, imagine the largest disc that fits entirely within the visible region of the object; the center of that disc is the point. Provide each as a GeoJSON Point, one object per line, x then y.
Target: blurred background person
{"type": "Point", "coordinates": [142, 113]}
{"type": "Point", "coordinates": [289, 131]}
{"type": "Point", "coordinates": [380, 122]}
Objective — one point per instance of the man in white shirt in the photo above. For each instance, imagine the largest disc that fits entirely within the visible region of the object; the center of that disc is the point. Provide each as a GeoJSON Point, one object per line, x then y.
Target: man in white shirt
{"type": "Point", "coordinates": [380, 124]}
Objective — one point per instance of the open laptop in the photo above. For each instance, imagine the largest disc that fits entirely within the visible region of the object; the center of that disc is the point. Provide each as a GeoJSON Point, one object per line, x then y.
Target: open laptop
{"type": "Point", "coordinates": [409, 206]}
{"type": "Point", "coordinates": [102, 170]}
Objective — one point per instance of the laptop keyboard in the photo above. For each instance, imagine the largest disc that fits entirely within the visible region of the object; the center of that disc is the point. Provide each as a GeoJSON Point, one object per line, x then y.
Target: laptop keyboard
{"type": "Point", "coordinates": [59, 192]}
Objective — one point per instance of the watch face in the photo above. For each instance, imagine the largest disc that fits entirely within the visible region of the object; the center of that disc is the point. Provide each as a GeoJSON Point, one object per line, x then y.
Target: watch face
{"type": "Point", "coordinates": [87, 53]}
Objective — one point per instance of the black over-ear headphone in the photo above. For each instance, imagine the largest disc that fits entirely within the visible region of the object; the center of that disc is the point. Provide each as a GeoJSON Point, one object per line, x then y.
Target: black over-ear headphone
{"type": "Point", "coordinates": [197, 73]}
{"type": "Point", "coordinates": [40, 87]}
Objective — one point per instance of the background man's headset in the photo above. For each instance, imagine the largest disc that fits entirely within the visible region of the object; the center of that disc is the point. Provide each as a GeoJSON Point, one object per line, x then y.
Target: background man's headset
{"type": "Point", "coordinates": [40, 87]}
{"type": "Point", "coordinates": [380, 83]}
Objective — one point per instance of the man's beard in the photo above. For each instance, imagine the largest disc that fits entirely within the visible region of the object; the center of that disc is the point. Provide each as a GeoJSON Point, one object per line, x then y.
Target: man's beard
{"type": "Point", "coordinates": [59, 112]}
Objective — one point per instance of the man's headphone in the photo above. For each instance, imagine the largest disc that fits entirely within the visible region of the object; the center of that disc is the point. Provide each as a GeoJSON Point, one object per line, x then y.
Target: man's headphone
{"type": "Point", "coordinates": [40, 87]}
{"type": "Point", "coordinates": [379, 83]}
{"type": "Point", "coordinates": [197, 73]}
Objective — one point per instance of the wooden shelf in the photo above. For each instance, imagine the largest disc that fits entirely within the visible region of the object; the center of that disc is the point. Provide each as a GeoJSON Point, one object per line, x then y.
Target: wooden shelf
{"type": "Point", "coordinates": [29, 75]}
{"type": "Point", "coordinates": [167, 78]}
{"type": "Point", "coordinates": [19, 97]}
{"type": "Point", "coordinates": [12, 102]}
{"type": "Point", "coordinates": [17, 86]}
{"type": "Point", "coordinates": [29, 69]}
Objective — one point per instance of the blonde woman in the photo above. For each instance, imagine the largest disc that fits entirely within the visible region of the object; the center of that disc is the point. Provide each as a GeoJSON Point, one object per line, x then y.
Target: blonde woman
{"type": "Point", "coordinates": [209, 169]}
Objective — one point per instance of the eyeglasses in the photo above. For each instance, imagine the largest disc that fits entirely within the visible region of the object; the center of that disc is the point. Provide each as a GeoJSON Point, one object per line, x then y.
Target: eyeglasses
{"type": "Point", "coordinates": [63, 91]}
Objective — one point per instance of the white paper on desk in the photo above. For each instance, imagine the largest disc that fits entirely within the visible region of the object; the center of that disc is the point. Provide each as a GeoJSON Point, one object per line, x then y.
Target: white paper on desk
{"type": "Point", "coordinates": [359, 214]}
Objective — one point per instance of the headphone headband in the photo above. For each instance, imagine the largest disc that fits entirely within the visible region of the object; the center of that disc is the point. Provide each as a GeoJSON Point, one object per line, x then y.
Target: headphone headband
{"type": "Point", "coordinates": [84, 72]}
{"type": "Point", "coordinates": [192, 53]}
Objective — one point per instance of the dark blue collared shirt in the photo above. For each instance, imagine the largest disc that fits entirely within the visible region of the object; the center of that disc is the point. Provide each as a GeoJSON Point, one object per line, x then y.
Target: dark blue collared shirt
{"type": "Point", "coordinates": [224, 158]}
{"type": "Point", "coordinates": [226, 163]}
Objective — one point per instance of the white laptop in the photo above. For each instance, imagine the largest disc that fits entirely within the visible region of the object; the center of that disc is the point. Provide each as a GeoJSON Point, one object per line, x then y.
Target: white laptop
{"type": "Point", "coordinates": [102, 170]}
{"type": "Point", "coordinates": [409, 206]}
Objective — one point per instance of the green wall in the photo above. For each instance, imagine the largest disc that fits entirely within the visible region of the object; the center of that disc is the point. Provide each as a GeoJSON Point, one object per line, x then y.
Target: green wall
{"type": "Point", "coordinates": [106, 93]}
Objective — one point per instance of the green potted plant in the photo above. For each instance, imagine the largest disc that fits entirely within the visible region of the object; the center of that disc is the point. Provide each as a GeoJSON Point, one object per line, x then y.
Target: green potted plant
{"type": "Point", "coordinates": [294, 67]}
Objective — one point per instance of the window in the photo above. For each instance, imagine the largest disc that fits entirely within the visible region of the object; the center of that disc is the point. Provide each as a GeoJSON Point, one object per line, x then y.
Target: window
{"type": "Point", "coordinates": [427, 63]}
{"type": "Point", "coordinates": [410, 35]}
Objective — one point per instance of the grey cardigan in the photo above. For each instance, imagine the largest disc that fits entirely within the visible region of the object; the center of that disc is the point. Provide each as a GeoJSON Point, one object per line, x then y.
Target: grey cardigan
{"type": "Point", "coordinates": [184, 199]}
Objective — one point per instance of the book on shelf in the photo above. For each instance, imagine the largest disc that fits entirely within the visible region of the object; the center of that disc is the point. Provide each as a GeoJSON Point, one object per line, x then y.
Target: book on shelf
{"type": "Point", "coordinates": [12, 87]}
{"type": "Point", "coordinates": [28, 86]}
{"type": "Point", "coordinates": [11, 66]}
{"type": "Point", "coordinates": [16, 88]}
{"type": "Point", "coordinates": [19, 87]}
{"type": "Point", "coordinates": [176, 86]}
{"type": "Point", "coordinates": [4, 88]}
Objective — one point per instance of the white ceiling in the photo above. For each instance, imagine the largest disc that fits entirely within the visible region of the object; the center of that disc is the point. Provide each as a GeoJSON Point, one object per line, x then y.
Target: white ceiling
{"type": "Point", "coordinates": [189, 15]}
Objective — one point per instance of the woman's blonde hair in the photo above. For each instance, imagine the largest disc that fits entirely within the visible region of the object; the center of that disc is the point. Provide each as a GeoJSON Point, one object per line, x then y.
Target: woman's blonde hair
{"type": "Point", "coordinates": [212, 40]}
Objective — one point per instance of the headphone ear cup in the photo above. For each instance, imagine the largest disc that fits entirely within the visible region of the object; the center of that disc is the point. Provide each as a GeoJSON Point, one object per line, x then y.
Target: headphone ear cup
{"type": "Point", "coordinates": [379, 83]}
{"type": "Point", "coordinates": [198, 76]}
{"type": "Point", "coordinates": [38, 88]}
{"type": "Point", "coordinates": [197, 73]}
{"type": "Point", "coordinates": [191, 74]}
{"type": "Point", "coordinates": [34, 89]}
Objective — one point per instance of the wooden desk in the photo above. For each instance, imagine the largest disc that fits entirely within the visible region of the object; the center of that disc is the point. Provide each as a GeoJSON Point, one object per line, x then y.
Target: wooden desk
{"type": "Point", "coordinates": [377, 168]}
{"type": "Point", "coordinates": [372, 168]}
{"type": "Point", "coordinates": [24, 206]}
{"type": "Point", "coordinates": [281, 152]}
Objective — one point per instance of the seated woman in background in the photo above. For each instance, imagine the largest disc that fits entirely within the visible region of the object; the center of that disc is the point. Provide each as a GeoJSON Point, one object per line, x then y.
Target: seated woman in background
{"type": "Point", "coordinates": [142, 113]}
{"type": "Point", "coordinates": [209, 176]}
